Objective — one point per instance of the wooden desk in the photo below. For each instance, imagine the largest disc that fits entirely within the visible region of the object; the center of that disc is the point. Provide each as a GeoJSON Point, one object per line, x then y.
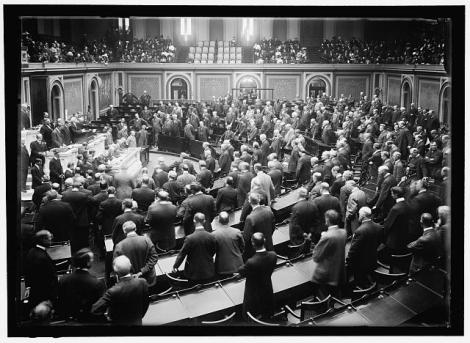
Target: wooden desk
{"type": "Point", "coordinates": [235, 290]}
{"type": "Point", "coordinates": [385, 312]}
{"type": "Point", "coordinates": [416, 297]}
{"type": "Point", "coordinates": [165, 312]}
{"type": "Point", "coordinates": [281, 235]}
{"type": "Point", "coordinates": [206, 301]}
{"type": "Point", "coordinates": [286, 278]}
{"type": "Point", "coordinates": [345, 318]}
{"type": "Point", "coordinates": [233, 219]}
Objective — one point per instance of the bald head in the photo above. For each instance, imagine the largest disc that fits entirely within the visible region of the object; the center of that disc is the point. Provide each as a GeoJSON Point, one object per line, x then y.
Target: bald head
{"type": "Point", "coordinates": [128, 227]}
{"type": "Point", "coordinates": [257, 240]}
{"type": "Point", "coordinates": [426, 220]}
{"type": "Point", "coordinates": [122, 265]}
{"type": "Point", "coordinates": [364, 213]}
{"type": "Point", "coordinates": [223, 218]}
{"type": "Point", "coordinates": [199, 219]}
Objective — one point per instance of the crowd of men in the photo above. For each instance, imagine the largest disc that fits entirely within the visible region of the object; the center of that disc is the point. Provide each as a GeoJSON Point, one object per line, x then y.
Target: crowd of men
{"type": "Point", "coordinates": [114, 47]}
{"type": "Point", "coordinates": [404, 152]}
{"type": "Point", "coordinates": [275, 51]}
{"type": "Point", "coordinates": [424, 51]}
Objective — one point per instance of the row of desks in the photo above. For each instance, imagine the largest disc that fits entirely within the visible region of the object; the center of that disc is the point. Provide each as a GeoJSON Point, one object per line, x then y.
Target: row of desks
{"type": "Point", "coordinates": [394, 307]}
{"type": "Point", "coordinates": [224, 298]}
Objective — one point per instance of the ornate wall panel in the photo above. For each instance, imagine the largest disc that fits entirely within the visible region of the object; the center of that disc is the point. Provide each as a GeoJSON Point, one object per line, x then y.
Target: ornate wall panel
{"type": "Point", "coordinates": [428, 95]}
{"type": "Point", "coordinates": [212, 85]}
{"type": "Point", "coordinates": [393, 90]}
{"type": "Point", "coordinates": [73, 95]}
{"type": "Point", "coordinates": [151, 83]}
{"type": "Point", "coordinates": [284, 86]}
{"type": "Point", "coordinates": [353, 85]}
{"type": "Point", "coordinates": [105, 90]}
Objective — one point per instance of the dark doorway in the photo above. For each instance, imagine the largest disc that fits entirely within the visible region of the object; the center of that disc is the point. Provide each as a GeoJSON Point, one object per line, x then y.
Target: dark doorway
{"type": "Point", "coordinates": [178, 89]}
{"type": "Point", "coordinates": [56, 102]}
{"type": "Point", "coordinates": [316, 88]}
{"type": "Point", "coordinates": [406, 92]}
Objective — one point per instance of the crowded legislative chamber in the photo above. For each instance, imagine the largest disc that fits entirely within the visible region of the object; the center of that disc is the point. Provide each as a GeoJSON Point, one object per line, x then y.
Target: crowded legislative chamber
{"type": "Point", "coordinates": [191, 171]}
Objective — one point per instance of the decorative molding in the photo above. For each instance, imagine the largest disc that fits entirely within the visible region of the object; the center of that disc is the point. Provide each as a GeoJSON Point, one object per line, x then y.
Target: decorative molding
{"type": "Point", "coordinates": [309, 77]}
{"type": "Point", "coordinates": [157, 77]}
{"type": "Point", "coordinates": [237, 76]}
{"type": "Point", "coordinates": [187, 76]}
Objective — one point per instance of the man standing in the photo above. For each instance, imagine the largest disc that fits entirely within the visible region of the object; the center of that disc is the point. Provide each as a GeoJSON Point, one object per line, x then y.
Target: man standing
{"type": "Point", "coordinates": [204, 177]}
{"type": "Point", "coordinates": [427, 247]}
{"type": "Point", "coordinates": [397, 228]}
{"type": "Point", "coordinates": [161, 216]}
{"type": "Point", "coordinates": [261, 219]}
{"type": "Point", "coordinates": [38, 148]}
{"type": "Point", "coordinates": [80, 203]}
{"type": "Point", "coordinates": [40, 274]}
{"type": "Point", "coordinates": [356, 200]}
{"type": "Point", "coordinates": [258, 298]}
{"type": "Point", "coordinates": [56, 172]}
{"type": "Point", "coordinates": [56, 216]}
{"type": "Point", "coordinates": [202, 203]}
{"type": "Point", "coordinates": [362, 256]}
{"type": "Point", "coordinates": [326, 202]}
{"type": "Point", "coordinates": [230, 246]}
{"type": "Point", "coordinates": [127, 301]}
{"type": "Point", "coordinates": [264, 181]}
{"type": "Point", "coordinates": [24, 165]}
{"type": "Point", "coordinates": [80, 290]}
{"type": "Point", "coordinates": [37, 173]}
{"type": "Point", "coordinates": [304, 220]}
{"type": "Point", "coordinates": [140, 251]}
{"type": "Point", "coordinates": [244, 183]}
{"type": "Point", "coordinates": [108, 210]}
{"type": "Point", "coordinates": [128, 215]}
{"type": "Point", "coordinates": [226, 197]}
{"type": "Point", "coordinates": [199, 248]}
{"type": "Point", "coordinates": [328, 257]}
{"type": "Point", "coordinates": [144, 195]}
{"type": "Point", "coordinates": [384, 201]}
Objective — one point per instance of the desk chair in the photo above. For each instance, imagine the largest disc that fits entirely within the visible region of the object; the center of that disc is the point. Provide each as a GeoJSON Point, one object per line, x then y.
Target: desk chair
{"type": "Point", "coordinates": [398, 263]}
{"type": "Point", "coordinates": [386, 279]}
{"type": "Point", "coordinates": [63, 266]}
{"type": "Point", "coordinates": [256, 321]}
{"type": "Point", "coordinates": [309, 309]}
{"type": "Point", "coordinates": [359, 293]}
{"type": "Point", "coordinates": [224, 321]}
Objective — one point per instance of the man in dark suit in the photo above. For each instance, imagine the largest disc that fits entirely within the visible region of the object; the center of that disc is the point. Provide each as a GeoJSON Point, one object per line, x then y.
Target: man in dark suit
{"type": "Point", "coordinates": [80, 203]}
{"type": "Point", "coordinates": [276, 177]}
{"type": "Point", "coordinates": [427, 247]}
{"type": "Point", "coordinates": [161, 217]}
{"type": "Point", "coordinates": [108, 210]}
{"type": "Point", "coordinates": [397, 228]}
{"type": "Point", "coordinates": [230, 246]}
{"type": "Point", "coordinates": [24, 165]}
{"type": "Point", "coordinates": [304, 220]}
{"type": "Point", "coordinates": [328, 257]}
{"type": "Point", "coordinates": [144, 195]}
{"type": "Point", "coordinates": [258, 297]}
{"type": "Point", "coordinates": [46, 133]}
{"type": "Point", "coordinates": [128, 215]}
{"type": "Point", "coordinates": [57, 137]}
{"type": "Point", "coordinates": [127, 301]}
{"type": "Point", "coordinates": [226, 197]}
{"type": "Point", "coordinates": [423, 201]}
{"type": "Point", "coordinates": [224, 161]}
{"type": "Point", "coordinates": [37, 173]}
{"type": "Point", "coordinates": [141, 252]}
{"type": "Point", "coordinates": [261, 219]}
{"type": "Point", "coordinates": [199, 202]}
{"type": "Point", "coordinates": [39, 271]}
{"type": "Point", "coordinates": [383, 201]}
{"type": "Point", "coordinates": [199, 249]}
{"type": "Point", "coordinates": [303, 172]}
{"type": "Point", "coordinates": [210, 161]}
{"type": "Point", "coordinates": [56, 216]}
{"type": "Point", "coordinates": [160, 177]}
{"type": "Point", "coordinates": [362, 256]}
{"type": "Point", "coordinates": [80, 290]}
{"type": "Point", "coordinates": [56, 172]}
{"type": "Point", "coordinates": [265, 149]}
{"type": "Point", "coordinates": [38, 149]}
{"type": "Point", "coordinates": [40, 191]}
{"type": "Point", "coordinates": [94, 187]}
{"type": "Point", "coordinates": [244, 183]}
{"type": "Point", "coordinates": [173, 187]}
{"type": "Point", "coordinates": [204, 177]}
{"type": "Point", "coordinates": [326, 202]}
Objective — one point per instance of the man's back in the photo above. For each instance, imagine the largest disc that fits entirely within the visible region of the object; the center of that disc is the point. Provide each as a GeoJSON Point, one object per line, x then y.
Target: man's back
{"type": "Point", "coordinates": [57, 217]}
{"type": "Point", "coordinates": [328, 257]}
{"type": "Point", "coordinates": [118, 234]}
{"type": "Point", "coordinates": [107, 212]}
{"type": "Point", "coordinates": [261, 219]}
{"type": "Point", "coordinates": [199, 249]}
{"type": "Point", "coordinates": [258, 297]}
{"type": "Point", "coordinates": [127, 301]}
{"type": "Point", "coordinates": [79, 202]}
{"type": "Point", "coordinates": [142, 254]}
{"type": "Point", "coordinates": [397, 229]}
{"type": "Point", "coordinates": [276, 178]}
{"type": "Point", "coordinates": [161, 217]}
{"type": "Point", "coordinates": [304, 219]}
{"type": "Point", "coordinates": [77, 293]}
{"type": "Point", "coordinates": [144, 196]}
{"type": "Point", "coordinates": [199, 203]}
{"type": "Point", "coordinates": [425, 250]}
{"type": "Point", "coordinates": [226, 199]}
{"type": "Point", "coordinates": [363, 252]}
{"type": "Point", "coordinates": [230, 246]}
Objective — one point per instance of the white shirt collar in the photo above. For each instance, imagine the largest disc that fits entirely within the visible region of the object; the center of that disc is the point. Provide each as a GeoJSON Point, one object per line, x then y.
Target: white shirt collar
{"type": "Point", "coordinates": [40, 247]}
{"type": "Point", "coordinates": [199, 227]}
{"type": "Point", "coordinates": [427, 229]}
{"type": "Point", "coordinates": [261, 250]}
{"type": "Point", "coordinates": [128, 210]}
{"type": "Point", "coordinates": [400, 199]}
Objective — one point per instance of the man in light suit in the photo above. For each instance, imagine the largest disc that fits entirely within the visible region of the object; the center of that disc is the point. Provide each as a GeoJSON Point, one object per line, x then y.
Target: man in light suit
{"type": "Point", "coordinates": [356, 200]}
{"type": "Point", "coordinates": [362, 256]}
{"type": "Point", "coordinates": [141, 252]}
{"type": "Point", "coordinates": [230, 246]}
{"type": "Point", "coordinates": [264, 181]}
{"type": "Point", "coordinates": [328, 257]}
